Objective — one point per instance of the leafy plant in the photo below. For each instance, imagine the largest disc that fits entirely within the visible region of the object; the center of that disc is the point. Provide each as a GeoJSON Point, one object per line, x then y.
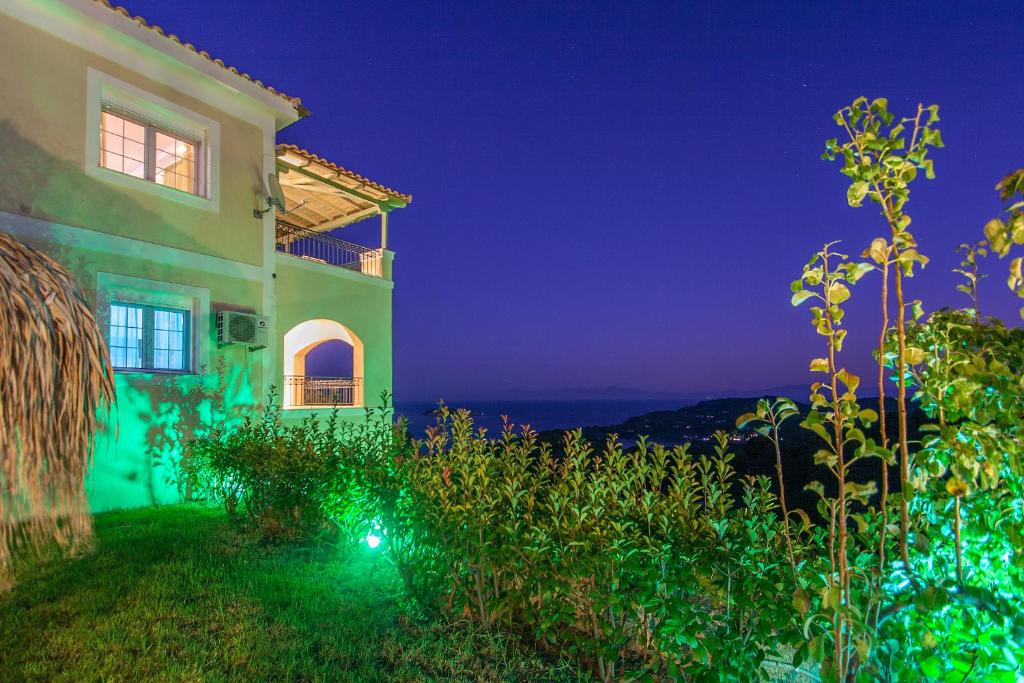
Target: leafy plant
{"type": "Point", "coordinates": [285, 480]}
{"type": "Point", "coordinates": [1007, 230]}
{"type": "Point", "coordinates": [971, 273]}
{"type": "Point", "coordinates": [881, 163]}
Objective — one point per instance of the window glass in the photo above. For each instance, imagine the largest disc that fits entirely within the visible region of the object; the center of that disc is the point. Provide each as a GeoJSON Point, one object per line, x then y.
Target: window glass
{"type": "Point", "coordinates": [168, 340]}
{"type": "Point", "coordinates": [145, 151]}
{"type": "Point", "coordinates": [175, 162]}
{"type": "Point", "coordinates": [126, 336]}
{"type": "Point", "coordinates": [148, 337]}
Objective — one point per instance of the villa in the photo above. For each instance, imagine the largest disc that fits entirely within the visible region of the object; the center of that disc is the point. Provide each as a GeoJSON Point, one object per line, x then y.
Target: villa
{"type": "Point", "coordinates": [152, 171]}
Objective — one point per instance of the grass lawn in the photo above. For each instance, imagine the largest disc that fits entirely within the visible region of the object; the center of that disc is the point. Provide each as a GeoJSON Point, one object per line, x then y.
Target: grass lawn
{"type": "Point", "coordinates": [176, 593]}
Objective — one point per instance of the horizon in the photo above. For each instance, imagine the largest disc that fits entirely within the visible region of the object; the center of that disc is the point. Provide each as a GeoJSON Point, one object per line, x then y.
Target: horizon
{"type": "Point", "coordinates": [610, 198]}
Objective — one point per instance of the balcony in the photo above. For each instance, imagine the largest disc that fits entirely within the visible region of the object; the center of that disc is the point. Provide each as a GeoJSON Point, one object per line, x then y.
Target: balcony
{"type": "Point", "coordinates": [321, 392]}
{"type": "Point", "coordinates": [327, 249]}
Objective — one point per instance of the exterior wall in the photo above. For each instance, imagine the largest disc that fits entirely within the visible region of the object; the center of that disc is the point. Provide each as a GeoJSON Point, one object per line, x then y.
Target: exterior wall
{"type": "Point", "coordinates": [134, 459]}
{"type": "Point", "coordinates": [43, 137]}
{"type": "Point", "coordinates": [310, 291]}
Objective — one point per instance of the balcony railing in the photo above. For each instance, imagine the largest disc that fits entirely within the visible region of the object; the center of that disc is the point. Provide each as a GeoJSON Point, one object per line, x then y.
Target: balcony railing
{"type": "Point", "coordinates": [321, 392]}
{"type": "Point", "coordinates": [322, 248]}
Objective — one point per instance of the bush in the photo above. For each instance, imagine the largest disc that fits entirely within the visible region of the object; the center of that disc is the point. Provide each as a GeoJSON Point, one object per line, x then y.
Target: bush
{"type": "Point", "coordinates": [290, 481]}
{"type": "Point", "coordinates": [634, 560]}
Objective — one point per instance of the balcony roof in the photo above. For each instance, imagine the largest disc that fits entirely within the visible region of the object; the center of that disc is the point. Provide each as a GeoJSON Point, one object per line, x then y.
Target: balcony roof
{"type": "Point", "coordinates": [320, 195]}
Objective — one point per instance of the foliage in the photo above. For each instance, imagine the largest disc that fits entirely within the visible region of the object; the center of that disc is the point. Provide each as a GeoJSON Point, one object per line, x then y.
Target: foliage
{"type": "Point", "coordinates": [970, 271]}
{"type": "Point", "coordinates": [290, 480]}
{"type": "Point", "coordinates": [55, 378]}
{"type": "Point", "coordinates": [633, 560]}
{"type": "Point", "coordinates": [968, 482]}
{"type": "Point", "coordinates": [846, 594]}
{"type": "Point", "coordinates": [947, 610]}
{"type": "Point", "coordinates": [1007, 230]}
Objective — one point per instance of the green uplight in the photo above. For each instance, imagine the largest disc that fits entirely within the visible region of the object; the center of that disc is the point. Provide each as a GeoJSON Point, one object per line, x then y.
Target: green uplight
{"type": "Point", "coordinates": [372, 540]}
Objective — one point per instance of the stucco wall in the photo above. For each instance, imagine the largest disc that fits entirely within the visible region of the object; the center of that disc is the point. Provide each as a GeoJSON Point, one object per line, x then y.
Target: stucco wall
{"type": "Point", "coordinates": [43, 143]}
{"type": "Point", "coordinates": [308, 291]}
{"type": "Point", "coordinates": [133, 464]}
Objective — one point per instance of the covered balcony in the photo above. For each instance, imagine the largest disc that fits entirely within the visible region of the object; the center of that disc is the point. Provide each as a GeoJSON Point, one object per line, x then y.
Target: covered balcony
{"type": "Point", "coordinates": [322, 198]}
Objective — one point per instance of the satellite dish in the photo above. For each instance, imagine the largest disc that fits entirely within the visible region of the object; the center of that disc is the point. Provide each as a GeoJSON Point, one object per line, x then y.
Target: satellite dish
{"type": "Point", "coordinates": [275, 196]}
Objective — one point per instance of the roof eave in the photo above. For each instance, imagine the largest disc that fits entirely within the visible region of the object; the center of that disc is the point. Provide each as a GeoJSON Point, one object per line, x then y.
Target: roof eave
{"type": "Point", "coordinates": [285, 109]}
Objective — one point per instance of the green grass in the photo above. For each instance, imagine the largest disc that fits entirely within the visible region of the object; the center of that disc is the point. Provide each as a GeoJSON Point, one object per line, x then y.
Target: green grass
{"type": "Point", "coordinates": [177, 594]}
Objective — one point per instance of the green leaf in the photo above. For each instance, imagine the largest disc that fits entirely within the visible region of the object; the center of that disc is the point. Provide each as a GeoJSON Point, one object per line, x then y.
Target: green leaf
{"type": "Point", "coordinates": [879, 250]}
{"type": "Point", "coordinates": [929, 169]}
{"type": "Point", "coordinates": [819, 365]}
{"type": "Point", "coordinates": [851, 380]}
{"type": "Point", "coordinates": [858, 271]}
{"type": "Point", "coordinates": [823, 456]}
{"type": "Point", "coordinates": [998, 236]}
{"type": "Point", "coordinates": [914, 355]}
{"type": "Point", "coordinates": [856, 193]}
{"type": "Point", "coordinates": [743, 419]}
{"type": "Point", "coordinates": [800, 297]}
{"type": "Point", "coordinates": [838, 293]}
{"type": "Point", "coordinates": [868, 416]}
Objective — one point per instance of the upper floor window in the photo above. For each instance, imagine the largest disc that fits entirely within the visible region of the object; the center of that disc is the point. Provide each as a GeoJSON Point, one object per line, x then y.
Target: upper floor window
{"type": "Point", "coordinates": [132, 145]}
{"type": "Point", "coordinates": [146, 143]}
{"type": "Point", "coordinates": [144, 337]}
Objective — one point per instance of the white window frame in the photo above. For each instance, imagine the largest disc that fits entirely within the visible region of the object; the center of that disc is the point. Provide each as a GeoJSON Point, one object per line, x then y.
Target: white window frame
{"type": "Point", "coordinates": [112, 287]}
{"type": "Point", "coordinates": [105, 89]}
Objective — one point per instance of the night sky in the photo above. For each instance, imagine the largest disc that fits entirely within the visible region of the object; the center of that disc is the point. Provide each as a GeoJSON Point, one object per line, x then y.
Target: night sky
{"type": "Point", "coordinates": [620, 194]}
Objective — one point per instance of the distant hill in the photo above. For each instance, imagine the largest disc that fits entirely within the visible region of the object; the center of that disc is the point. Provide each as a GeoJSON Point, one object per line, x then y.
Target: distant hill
{"type": "Point", "coordinates": [619, 393]}
{"type": "Point", "coordinates": [695, 424]}
{"type": "Point", "coordinates": [609, 393]}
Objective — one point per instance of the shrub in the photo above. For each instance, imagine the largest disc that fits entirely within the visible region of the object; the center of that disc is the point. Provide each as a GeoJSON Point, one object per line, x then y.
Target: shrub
{"type": "Point", "coordinates": [285, 480]}
{"type": "Point", "coordinates": [633, 560]}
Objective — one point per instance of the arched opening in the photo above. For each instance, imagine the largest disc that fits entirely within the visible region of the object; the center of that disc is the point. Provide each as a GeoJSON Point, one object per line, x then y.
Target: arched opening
{"type": "Point", "coordinates": [323, 366]}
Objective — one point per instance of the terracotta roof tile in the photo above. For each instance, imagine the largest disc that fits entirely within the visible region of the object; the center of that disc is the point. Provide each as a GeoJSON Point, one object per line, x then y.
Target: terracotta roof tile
{"type": "Point", "coordinates": [351, 175]}
{"type": "Point", "coordinates": [294, 101]}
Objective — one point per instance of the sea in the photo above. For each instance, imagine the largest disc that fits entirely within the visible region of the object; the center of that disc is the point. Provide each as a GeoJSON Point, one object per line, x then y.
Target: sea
{"type": "Point", "coordinates": [540, 415]}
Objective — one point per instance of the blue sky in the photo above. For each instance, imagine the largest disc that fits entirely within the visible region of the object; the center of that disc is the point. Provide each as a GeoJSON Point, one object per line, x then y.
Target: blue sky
{"type": "Point", "coordinates": [620, 193]}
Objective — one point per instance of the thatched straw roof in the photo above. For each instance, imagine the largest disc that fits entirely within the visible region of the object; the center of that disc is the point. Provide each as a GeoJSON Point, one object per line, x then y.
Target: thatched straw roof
{"type": "Point", "coordinates": [55, 381]}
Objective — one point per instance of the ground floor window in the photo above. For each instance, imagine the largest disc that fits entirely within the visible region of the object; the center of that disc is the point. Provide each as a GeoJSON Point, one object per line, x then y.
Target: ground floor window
{"type": "Point", "coordinates": [144, 337]}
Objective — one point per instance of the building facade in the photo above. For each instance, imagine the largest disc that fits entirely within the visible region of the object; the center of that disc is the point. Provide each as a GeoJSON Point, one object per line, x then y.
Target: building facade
{"type": "Point", "coordinates": [210, 252]}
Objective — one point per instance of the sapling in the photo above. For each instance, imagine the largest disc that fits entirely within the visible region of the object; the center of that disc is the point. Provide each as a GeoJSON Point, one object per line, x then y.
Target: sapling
{"type": "Point", "coordinates": [971, 272]}
{"type": "Point", "coordinates": [769, 416]}
{"type": "Point", "coordinates": [834, 417]}
{"type": "Point", "coordinates": [881, 164]}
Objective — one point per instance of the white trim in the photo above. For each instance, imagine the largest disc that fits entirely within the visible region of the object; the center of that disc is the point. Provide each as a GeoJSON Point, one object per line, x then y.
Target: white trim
{"type": "Point", "coordinates": [103, 88]}
{"type": "Point", "coordinates": [328, 269]}
{"type": "Point", "coordinates": [268, 362]}
{"type": "Point", "coordinates": [93, 27]}
{"type": "Point", "coordinates": [112, 286]}
{"type": "Point", "coordinates": [104, 243]}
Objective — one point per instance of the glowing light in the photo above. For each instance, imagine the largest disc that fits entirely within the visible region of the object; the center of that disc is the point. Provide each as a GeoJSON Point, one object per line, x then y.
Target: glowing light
{"type": "Point", "coordinates": [372, 540]}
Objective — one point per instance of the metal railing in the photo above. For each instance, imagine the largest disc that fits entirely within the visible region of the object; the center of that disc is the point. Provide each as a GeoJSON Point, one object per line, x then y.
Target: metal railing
{"type": "Point", "coordinates": [321, 391]}
{"type": "Point", "coordinates": [322, 248]}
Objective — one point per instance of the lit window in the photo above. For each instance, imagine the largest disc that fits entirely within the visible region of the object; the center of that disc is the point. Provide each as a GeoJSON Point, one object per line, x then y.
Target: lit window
{"type": "Point", "coordinates": [144, 150]}
{"type": "Point", "coordinates": [149, 337]}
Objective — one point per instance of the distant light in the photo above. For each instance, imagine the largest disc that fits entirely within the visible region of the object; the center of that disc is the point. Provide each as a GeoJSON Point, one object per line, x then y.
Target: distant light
{"type": "Point", "coordinates": [372, 540]}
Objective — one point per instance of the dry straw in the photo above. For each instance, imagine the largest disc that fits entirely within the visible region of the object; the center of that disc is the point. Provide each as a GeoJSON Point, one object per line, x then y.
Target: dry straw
{"type": "Point", "coordinates": [55, 384]}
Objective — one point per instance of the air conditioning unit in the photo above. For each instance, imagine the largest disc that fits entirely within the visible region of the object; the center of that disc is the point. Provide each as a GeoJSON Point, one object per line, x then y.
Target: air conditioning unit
{"type": "Point", "coordinates": [235, 327]}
